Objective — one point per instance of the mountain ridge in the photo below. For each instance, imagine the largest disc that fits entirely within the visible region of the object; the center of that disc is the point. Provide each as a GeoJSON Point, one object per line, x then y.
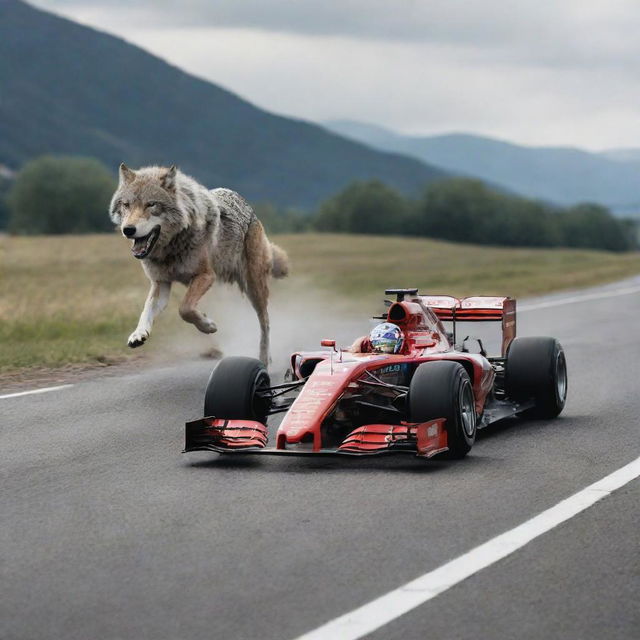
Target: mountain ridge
{"type": "Point", "coordinates": [564, 175]}
{"type": "Point", "coordinates": [72, 89]}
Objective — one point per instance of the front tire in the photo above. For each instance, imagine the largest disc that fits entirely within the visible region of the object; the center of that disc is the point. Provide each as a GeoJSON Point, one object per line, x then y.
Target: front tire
{"type": "Point", "coordinates": [442, 389]}
{"type": "Point", "coordinates": [232, 390]}
{"type": "Point", "coordinates": [536, 369]}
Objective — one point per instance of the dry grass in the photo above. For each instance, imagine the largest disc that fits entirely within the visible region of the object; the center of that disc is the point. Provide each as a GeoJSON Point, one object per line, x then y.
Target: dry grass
{"type": "Point", "coordinates": [65, 299]}
{"type": "Point", "coordinates": [361, 265]}
{"type": "Point", "coordinates": [75, 299]}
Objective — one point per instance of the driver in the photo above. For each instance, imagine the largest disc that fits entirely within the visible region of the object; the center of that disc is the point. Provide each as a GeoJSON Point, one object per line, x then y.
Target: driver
{"type": "Point", "coordinates": [384, 338]}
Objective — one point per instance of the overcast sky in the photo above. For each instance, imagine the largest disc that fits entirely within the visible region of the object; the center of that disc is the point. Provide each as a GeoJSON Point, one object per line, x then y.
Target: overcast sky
{"type": "Point", "coordinates": [541, 72]}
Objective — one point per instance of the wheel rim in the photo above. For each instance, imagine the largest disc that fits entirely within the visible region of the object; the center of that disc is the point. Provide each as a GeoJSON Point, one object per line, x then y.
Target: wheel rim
{"type": "Point", "coordinates": [467, 410]}
{"type": "Point", "coordinates": [561, 377]}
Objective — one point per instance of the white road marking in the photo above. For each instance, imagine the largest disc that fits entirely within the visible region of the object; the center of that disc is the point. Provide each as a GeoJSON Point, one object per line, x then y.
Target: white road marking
{"type": "Point", "coordinates": [382, 610]}
{"type": "Point", "coordinates": [583, 298]}
{"type": "Point", "coordinates": [28, 393]}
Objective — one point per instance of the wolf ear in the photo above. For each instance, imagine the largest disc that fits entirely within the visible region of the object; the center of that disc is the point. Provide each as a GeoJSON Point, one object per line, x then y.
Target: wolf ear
{"type": "Point", "coordinates": [168, 180]}
{"type": "Point", "coordinates": [126, 174]}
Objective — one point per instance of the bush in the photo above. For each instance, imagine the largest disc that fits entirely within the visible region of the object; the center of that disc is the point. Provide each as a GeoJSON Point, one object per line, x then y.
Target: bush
{"type": "Point", "coordinates": [61, 194]}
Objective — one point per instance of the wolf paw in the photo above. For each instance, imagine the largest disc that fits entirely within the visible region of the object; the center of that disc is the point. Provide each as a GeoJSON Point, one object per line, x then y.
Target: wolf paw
{"type": "Point", "coordinates": [206, 325]}
{"type": "Point", "coordinates": [137, 338]}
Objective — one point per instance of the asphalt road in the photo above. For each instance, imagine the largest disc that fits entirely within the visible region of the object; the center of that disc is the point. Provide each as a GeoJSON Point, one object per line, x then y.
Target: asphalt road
{"type": "Point", "coordinates": [108, 531]}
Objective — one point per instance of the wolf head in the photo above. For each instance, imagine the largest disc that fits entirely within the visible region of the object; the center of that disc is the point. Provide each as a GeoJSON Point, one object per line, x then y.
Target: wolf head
{"type": "Point", "coordinates": [146, 208]}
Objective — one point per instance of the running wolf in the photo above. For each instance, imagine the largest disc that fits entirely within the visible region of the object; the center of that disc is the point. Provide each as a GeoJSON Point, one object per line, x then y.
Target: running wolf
{"type": "Point", "coordinates": [184, 232]}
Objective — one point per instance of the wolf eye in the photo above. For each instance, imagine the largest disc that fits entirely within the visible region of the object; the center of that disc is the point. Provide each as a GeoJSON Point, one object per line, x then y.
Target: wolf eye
{"type": "Point", "coordinates": [125, 205]}
{"type": "Point", "coordinates": [151, 204]}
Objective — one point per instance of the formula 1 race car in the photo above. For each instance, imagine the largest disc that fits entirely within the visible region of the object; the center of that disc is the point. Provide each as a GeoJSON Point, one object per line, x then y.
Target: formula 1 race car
{"type": "Point", "coordinates": [427, 399]}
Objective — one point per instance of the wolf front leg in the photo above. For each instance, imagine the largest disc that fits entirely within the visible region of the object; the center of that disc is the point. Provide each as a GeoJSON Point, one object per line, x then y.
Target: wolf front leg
{"type": "Point", "coordinates": [156, 301]}
{"type": "Point", "coordinates": [199, 285]}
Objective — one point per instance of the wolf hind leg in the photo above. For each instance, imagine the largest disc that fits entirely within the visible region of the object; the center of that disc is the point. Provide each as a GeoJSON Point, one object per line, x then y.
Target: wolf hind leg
{"type": "Point", "coordinates": [258, 294]}
{"type": "Point", "coordinates": [198, 286]}
{"type": "Point", "coordinates": [258, 270]}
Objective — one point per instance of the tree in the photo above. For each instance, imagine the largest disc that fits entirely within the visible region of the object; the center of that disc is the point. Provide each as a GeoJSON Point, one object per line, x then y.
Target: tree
{"type": "Point", "coordinates": [364, 207]}
{"type": "Point", "coordinates": [591, 225]}
{"type": "Point", "coordinates": [61, 194]}
{"type": "Point", "coordinates": [276, 220]}
{"type": "Point", "coordinates": [4, 212]}
{"type": "Point", "coordinates": [5, 185]}
{"type": "Point", "coordinates": [455, 209]}
{"type": "Point", "coordinates": [467, 210]}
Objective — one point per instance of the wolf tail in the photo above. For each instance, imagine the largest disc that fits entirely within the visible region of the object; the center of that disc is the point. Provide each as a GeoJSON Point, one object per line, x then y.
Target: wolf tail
{"type": "Point", "coordinates": [279, 262]}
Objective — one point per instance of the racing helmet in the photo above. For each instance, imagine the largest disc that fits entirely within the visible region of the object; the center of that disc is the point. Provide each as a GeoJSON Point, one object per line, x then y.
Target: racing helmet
{"type": "Point", "coordinates": [386, 338]}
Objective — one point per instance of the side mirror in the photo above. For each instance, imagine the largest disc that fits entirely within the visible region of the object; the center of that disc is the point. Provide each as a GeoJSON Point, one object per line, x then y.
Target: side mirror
{"type": "Point", "coordinates": [328, 343]}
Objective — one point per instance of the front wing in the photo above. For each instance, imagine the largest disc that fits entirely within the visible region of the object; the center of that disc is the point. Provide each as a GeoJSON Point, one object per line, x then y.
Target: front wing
{"type": "Point", "coordinates": [424, 439]}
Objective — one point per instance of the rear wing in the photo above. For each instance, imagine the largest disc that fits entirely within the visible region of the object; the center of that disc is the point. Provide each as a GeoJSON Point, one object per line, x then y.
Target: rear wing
{"type": "Point", "coordinates": [476, 309]}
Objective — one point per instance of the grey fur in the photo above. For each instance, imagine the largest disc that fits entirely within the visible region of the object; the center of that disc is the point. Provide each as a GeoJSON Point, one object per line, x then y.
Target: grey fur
{"type": "Point", "coordinates": [199, 230]}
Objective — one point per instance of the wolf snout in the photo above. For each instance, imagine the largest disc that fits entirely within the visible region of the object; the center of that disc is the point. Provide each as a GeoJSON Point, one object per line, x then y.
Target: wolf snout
{"type": "Point", "coordinates": [129, 231]}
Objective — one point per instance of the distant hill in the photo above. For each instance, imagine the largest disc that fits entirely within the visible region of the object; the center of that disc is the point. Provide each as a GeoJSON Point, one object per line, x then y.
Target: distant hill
{"type": "Point", "coordinates": [561, 175]}
{"type": "Point", "coordinates": [67, 88]}
{"type": "Point", "coordinates": [622, 155]}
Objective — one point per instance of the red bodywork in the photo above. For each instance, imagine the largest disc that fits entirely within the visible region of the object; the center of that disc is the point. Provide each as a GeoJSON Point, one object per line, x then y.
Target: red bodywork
{"type": "Point", "coordinates": [336, 374]}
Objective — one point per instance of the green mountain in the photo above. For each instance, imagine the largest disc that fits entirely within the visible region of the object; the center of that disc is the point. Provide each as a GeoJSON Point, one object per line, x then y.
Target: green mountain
{"type": "Point", "coordinates": [67, 88]}
{"type": "Point", "coordinates": [561, 175]}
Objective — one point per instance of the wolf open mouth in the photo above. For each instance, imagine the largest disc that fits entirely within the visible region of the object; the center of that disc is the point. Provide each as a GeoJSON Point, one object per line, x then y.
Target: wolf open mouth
{"type": "Point", "coordinates": [142, 247]}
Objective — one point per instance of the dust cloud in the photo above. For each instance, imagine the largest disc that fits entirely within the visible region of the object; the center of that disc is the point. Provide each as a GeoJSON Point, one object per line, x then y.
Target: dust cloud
{"type": "Point", "coordinates": [300, 317]}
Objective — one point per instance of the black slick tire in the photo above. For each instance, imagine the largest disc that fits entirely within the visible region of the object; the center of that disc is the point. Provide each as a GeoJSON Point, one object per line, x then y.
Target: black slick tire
{"type": "Point", "coordinates": [232, 390]}
{"type": "Point", "coordinates": [442, 389]}
{"type": "Point", "coordinates": [536, 369]}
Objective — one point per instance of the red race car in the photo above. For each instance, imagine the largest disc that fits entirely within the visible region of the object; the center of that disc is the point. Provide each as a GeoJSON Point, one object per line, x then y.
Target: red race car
{"type": "Point", "coordinates": [427, 398]}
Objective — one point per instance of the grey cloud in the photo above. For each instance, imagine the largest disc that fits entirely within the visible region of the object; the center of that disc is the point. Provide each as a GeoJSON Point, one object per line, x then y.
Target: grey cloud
{"type": "Point", "coordinates": [568, 33]}
{"type": "Point", "coordinates": [403, 19]}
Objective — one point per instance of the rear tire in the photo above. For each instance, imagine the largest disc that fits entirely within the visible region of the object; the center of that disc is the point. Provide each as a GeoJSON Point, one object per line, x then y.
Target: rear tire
{"type": "Point", "coordinates": [231, 392]}
{"type": "Point", "coordinates": [442, 389]}
{"type": "Point", "coordinates": [536, 369]}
